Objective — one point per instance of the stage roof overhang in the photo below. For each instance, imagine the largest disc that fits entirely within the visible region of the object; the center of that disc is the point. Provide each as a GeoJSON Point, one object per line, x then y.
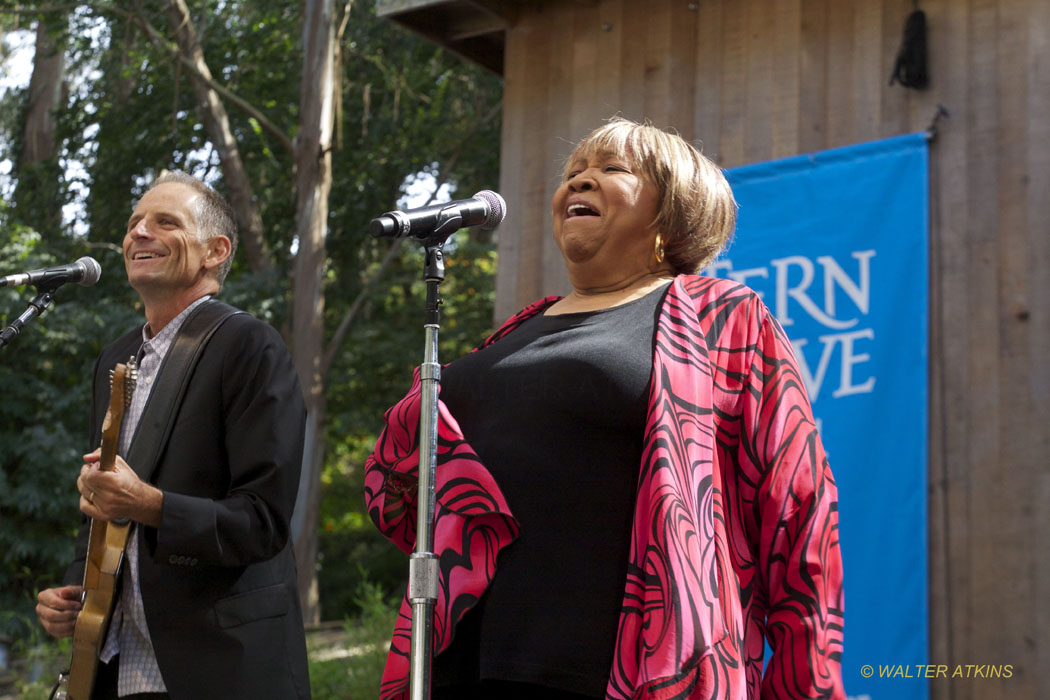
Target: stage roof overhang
{"type": "Point", "coordinates": [473, 29]}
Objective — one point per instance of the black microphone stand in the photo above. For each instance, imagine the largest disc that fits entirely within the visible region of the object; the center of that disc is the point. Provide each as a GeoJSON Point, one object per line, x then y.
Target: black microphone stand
{"type": "Point", "coordinates": [36, 307]}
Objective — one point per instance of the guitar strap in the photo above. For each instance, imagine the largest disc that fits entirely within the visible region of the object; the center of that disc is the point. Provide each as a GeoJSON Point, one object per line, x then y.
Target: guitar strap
{"type": "Point", "coordinates": [185, 352]}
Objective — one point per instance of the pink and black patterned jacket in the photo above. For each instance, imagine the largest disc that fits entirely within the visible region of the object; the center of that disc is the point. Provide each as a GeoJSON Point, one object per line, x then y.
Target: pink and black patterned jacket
{"type": "Point", "coordinates": [735, 536]}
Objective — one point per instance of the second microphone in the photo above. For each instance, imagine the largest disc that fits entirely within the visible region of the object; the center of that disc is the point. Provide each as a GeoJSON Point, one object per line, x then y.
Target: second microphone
{"type": "Point", "coordinates": [437, 221]}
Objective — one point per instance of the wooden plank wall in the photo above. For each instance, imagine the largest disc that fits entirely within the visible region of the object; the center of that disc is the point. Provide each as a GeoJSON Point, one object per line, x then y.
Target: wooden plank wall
{"type": "Point", "coordinates": [763, 79]}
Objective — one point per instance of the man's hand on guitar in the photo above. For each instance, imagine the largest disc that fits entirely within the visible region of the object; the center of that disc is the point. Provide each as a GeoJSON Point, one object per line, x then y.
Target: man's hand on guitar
{"type": "Point", "coordinates": [57, 609]}
{"type": "Point", "coordinates": [110, 495]}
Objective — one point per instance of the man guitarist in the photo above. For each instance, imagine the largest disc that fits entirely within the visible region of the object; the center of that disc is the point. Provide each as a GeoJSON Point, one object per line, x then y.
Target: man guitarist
{"type": "Point", "coordinates": [207, 605]}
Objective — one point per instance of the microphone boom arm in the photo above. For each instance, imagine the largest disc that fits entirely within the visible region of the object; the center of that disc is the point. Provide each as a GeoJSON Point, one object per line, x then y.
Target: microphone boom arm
{"type": "Point", "coordinates": [36, 307]}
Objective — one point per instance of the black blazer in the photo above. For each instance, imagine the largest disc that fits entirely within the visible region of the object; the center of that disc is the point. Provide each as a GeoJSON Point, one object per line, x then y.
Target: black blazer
{"type": "Point", "coordinates": [218, 577]}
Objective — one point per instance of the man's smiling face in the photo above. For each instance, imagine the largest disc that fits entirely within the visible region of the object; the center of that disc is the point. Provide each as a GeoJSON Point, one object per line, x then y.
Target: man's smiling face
{"type": "Point", "coordinates": [162, 247]}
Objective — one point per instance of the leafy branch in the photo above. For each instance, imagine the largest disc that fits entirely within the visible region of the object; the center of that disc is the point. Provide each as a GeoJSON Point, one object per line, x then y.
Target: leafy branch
{"type": "Point", "coordinates": [161, 42]}
{"type": "Point", "coordinates": [395, 245]}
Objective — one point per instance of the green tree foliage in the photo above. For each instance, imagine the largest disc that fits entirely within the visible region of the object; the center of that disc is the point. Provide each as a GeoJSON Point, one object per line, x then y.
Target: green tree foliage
{"type": "Point", "coordinates": [356, 672]}
{"type": "Point", "coordinates": [384, 352]}
{"type": "Point", "coordinates": [45, 372]}
{"type": "Point", "coordinates": [406, 107]}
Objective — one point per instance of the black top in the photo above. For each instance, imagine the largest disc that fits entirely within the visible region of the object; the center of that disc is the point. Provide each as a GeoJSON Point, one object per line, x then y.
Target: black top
{"type": "Point", "coordinates": [556, 412]}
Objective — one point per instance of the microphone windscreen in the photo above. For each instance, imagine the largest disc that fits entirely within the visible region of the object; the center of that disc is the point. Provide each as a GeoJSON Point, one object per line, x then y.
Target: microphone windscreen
{"type": "Point", "coordinates": [497, 208]}
{"type": "Point", "coordinates": [92, 271]}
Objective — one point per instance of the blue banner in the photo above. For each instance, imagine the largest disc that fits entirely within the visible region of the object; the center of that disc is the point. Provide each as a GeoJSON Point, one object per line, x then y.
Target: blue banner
{"type": "Point", "coordinates": [836, 244]}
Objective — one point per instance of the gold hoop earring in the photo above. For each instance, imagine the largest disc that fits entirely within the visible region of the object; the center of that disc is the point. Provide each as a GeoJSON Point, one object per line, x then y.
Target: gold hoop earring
{"type": "Point", "coordinates": [659, 248]}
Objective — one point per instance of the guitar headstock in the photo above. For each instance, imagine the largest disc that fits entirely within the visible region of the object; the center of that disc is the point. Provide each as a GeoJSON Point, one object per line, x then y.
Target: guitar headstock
{"type": "Point", "coordinates": [122, 379]}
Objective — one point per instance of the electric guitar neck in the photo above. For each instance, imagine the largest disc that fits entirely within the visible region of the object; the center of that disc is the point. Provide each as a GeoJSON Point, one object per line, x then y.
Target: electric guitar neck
{"type": "Point", "coordinates": [105, 554]}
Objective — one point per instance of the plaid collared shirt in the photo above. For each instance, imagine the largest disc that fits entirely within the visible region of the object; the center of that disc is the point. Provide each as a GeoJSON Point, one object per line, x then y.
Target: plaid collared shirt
{"type": "Point", "coordinates": [128, 634]}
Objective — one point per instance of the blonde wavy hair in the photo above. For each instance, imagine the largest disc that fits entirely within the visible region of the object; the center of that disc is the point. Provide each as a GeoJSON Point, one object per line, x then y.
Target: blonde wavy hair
{"type": "Point", "coordinates": [697, 212]}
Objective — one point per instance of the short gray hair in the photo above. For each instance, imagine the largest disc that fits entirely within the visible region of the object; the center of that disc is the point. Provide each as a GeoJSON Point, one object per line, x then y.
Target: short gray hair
{"type": "Point", "coordinates": [214, 214]}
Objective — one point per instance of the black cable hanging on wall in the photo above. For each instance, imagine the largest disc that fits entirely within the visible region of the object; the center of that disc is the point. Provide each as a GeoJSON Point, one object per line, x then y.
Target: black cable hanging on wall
{"type": "Point", "coordinates": [910, 67]}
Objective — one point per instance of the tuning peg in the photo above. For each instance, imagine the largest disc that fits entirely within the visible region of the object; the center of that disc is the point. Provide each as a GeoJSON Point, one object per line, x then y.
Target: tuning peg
{"type": "Point", "coordinates": [131, 378]}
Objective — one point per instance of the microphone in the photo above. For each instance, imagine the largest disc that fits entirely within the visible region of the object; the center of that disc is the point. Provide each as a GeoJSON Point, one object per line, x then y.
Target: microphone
{"type": "Point", "coordinates": [84, 272]}
{"type": "Point", "coordinates": [438, 221]}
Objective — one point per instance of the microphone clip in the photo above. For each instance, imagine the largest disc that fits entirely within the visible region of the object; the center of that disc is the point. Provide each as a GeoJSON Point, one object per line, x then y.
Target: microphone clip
{"type": "Point", "coordinates": [447, 221]}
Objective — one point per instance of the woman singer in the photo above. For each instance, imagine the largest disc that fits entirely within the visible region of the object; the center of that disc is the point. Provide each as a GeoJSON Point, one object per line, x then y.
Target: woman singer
{"type": "Point", "coordinates": [632, 495]}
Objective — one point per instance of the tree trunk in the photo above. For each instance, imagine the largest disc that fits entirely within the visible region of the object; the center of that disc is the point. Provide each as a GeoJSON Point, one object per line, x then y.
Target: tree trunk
{"type": "Point", "coordinates": [217, 123]}
{"type": "Point", "coordinates": [37, 196]}
{"type": "Point", "coordinates": [45, 95]}
{"type": "Point", "coordinates": [313, 178]}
